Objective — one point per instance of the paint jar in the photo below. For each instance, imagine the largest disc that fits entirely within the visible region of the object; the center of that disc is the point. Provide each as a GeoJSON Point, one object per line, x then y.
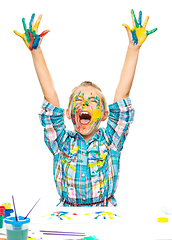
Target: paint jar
{"type": "Point", "coordinates": [1, 221]}
{"type": "Point", "coordinates": [2, 208]}
{"type": "Point", "coordinates": [7, 212]}
{"type": "Point", "coordinates": [17, 230]}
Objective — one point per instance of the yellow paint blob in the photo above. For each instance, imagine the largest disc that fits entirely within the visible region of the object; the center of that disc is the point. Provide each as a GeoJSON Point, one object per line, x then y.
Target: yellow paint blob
{"type": "Point", "coordinates": [97, 114]}
{"type": "Point", "coordinates": [141, 34]}
{"type": "Point", "coordinates": [74, 150]}
{"type": "Point", "coordinates": [103, 156]}
{"type": "Point", "coordinates": [162, 219]}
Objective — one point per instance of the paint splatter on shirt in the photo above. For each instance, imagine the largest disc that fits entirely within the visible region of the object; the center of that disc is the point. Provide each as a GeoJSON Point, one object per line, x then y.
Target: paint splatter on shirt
{"type": "Point", "coordinates": [87, 172]}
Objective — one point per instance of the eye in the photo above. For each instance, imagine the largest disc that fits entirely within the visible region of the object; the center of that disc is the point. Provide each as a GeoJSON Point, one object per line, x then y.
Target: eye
{"type": "Point", "coordinates": [94, 100]}
{"type": "Point", "coordinates": [78, 99]}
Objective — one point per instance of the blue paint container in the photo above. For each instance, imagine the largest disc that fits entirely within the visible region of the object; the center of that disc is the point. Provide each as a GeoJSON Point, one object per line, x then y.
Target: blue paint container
{"type": "Point", "coordinates": [7, 212]}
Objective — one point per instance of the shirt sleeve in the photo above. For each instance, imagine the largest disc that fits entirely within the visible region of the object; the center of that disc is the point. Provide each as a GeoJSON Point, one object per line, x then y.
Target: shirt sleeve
{"type": "Point", "coordinates": [121, 115]}
{"type": "Point", "coordinates": [52, 119]}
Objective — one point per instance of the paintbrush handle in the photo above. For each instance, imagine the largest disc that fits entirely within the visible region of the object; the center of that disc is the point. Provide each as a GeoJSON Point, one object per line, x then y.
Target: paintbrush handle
{"type": "Point", "coordinates": [44, 231]}
{"type": "Point", "coordinates": [34, 238]}
{"type": "Point", "coordinates": [32, 208]}
{"type": "Point", "coordinates": [14, 209]}
{"type": "Point", "coordinates": [65, 234]}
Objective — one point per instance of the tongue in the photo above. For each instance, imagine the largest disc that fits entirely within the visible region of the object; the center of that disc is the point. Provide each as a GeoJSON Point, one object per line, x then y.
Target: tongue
{"type": "Point", "coordinates": [84, 121]}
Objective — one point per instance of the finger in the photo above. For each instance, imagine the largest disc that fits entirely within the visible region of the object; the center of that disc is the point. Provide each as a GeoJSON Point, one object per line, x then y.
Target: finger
{"type": "Point", "coordinates": [35, 27]}
{"type": "Point", "coordinates": [146, 21]}
{"type": "Point", "coordinates": [132, 22]}
{"type": "Point", "coordinates": [140, 19]}
{"type": "Point", "coordinates": [44, 33]}
{"type": "Point", "coordinates": [151, 31]}
{"type": "Point", "coordinates": [23, 37]}
{"type": "Point", "coordinates": [134, 18]}
{"type": "Point", "coordinates": [31, 22]}
{"type": "Point", "coordinates": [126, 26]}
{"type": "Point", "coordinates": [24, 25]}
{"type": "Point", "coordinates": [25, 29]}
{"type": "Point", "coordinates": [129, 32]}
{"type": "Point", "coordinates": [18, 34]}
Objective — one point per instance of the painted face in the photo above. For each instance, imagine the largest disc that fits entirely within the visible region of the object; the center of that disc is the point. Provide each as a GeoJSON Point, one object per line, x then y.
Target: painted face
{"type": "Point", "coordinates": [86, 113]}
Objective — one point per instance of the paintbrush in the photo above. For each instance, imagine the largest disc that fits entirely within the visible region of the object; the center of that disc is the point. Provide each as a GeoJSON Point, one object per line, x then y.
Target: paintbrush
{"type": "Point", "coordinates": [58, 233]}
{"type": "Point", "coordinates": [14, 209]}
{"type": "Point", "coordinates": [32, 208]}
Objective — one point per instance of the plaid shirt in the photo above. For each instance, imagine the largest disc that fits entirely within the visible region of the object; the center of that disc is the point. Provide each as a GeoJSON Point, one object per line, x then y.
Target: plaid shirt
{"type": "Point", "coordinates": [87, 172]}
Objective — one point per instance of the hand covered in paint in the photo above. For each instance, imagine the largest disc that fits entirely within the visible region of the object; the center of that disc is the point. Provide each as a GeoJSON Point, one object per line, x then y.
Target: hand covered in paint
{"type": "Point", "coordinates": [30, 36]}
{"type": "Point", "coordinates": [138, 34]}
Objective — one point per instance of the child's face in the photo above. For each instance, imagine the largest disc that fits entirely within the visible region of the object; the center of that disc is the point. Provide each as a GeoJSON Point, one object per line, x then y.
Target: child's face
{"type": "Point", "coordinates": [86, 110]}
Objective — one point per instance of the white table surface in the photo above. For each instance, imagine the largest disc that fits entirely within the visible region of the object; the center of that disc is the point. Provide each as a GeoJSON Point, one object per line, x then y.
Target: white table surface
{"type": "Point", "coordinates": [143, 225]}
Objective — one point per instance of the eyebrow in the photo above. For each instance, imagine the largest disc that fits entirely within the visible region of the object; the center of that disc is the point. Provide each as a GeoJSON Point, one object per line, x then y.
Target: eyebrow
{"type": "Point", "coordinates": [78, 96]}
{"type": "Point", "coordinates": [93, 97]}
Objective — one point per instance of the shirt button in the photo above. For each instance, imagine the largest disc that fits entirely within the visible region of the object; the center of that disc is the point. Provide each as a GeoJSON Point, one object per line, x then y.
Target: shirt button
{"type": "Point", "coordinates": [83, 175]}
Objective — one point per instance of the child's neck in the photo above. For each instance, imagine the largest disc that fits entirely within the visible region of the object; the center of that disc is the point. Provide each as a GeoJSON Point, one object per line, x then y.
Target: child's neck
{"type": "Point", "coordinates": [88, 137]}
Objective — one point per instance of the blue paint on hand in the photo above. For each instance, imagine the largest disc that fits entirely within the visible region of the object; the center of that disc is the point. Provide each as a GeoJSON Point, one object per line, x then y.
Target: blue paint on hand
{"type": "Point", "coordinates": [36, 42]}
{"type": "Point", "coordinates": [31, 22]}
{"type": "Point", "coordinates": [135, 39]}
{"type": "Point", "coordinates": [140, 19]}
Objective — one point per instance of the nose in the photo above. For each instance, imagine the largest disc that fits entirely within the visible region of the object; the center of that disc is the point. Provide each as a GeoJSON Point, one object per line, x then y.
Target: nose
{"type": "Point", "coordinates": [86, 103]}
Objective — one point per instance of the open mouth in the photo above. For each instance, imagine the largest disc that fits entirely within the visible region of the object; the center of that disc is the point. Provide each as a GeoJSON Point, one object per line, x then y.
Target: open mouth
{"type": "Point", "coordinates": [85, 117]}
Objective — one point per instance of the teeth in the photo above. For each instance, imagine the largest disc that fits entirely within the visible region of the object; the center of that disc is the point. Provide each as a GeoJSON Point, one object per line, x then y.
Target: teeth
{"type": "Point", "coordinates": [83, 113]}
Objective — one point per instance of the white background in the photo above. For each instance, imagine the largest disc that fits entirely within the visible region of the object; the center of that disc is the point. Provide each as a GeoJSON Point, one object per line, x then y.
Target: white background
{"type": "Point", "coordinates": [86, 42]}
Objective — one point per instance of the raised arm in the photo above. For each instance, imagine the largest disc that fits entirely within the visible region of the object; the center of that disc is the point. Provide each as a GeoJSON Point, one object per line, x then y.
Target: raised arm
{"type": "Point", "coordinates": [33, 42]}
{"type": "Point", "coordinates": [45, 78]}
{"type": "Point", "coordinates": [137, 35]}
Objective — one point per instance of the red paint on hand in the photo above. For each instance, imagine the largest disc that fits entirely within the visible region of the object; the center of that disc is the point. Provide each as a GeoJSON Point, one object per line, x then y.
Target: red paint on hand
{"type": "Point", "coordinates": [44, 33]}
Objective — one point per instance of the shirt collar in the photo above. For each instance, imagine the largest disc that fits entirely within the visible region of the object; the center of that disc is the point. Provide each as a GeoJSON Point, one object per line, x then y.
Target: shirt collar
{"type": "Point", "coordinates": [94, 137]}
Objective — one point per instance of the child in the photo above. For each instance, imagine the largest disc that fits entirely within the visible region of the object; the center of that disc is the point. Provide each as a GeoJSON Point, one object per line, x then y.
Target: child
{"type": "Point", "coordinates": [87, 161]}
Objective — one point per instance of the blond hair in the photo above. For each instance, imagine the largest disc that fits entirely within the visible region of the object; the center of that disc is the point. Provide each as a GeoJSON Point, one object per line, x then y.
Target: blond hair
{"type": "Point", "coordinates": [88, 84]}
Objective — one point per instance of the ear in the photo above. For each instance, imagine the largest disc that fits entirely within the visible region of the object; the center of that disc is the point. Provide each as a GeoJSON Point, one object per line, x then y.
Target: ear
{"type": "Point", "coordinates": [68, 114]}
{"type": "Point", "coordinates": [106, 114]}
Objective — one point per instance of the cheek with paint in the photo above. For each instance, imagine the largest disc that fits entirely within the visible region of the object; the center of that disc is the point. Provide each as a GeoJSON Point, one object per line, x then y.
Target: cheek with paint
{"type": "Point", "coordinates": [96, 116]}
{"type": "Point", "coordinates": [73, 113]}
